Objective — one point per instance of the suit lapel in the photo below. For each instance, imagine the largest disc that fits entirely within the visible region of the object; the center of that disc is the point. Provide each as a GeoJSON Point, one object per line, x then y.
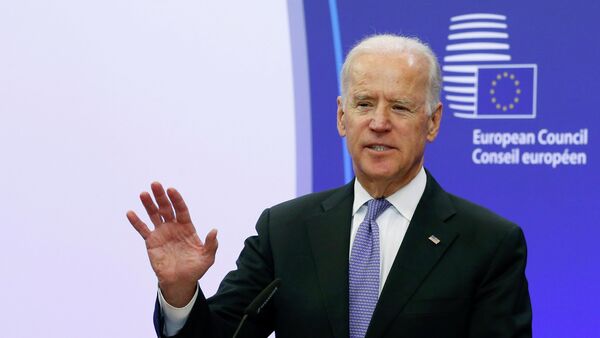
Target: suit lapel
{"type": "Point", "coordinates": [329, 234]}
{"type": "Point", "coordinates": [416, 257]}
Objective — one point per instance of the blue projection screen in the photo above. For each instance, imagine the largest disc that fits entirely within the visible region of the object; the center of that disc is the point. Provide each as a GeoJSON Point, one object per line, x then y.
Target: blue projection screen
{"type": "Point", "coordinates": [518, 135]}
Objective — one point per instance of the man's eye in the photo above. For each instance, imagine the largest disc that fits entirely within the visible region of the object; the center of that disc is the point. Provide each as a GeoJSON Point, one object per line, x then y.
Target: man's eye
{"type": "Point", "coordinates": [363, 105]}
{"type": "Point", "coordinates": [399, 108]}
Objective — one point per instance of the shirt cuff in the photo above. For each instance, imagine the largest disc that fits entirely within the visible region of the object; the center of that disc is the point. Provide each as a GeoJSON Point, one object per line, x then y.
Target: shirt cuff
{"type": "Point", "coordinates": [175, 317]}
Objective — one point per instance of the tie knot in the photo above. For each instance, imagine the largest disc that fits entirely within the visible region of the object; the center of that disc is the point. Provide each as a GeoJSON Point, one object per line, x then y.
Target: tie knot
{"type": "Point", "coordinates": [376, 207]}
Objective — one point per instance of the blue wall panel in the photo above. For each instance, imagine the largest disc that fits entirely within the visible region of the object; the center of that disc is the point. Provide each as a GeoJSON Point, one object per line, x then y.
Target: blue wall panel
{"type": "Point", "coordinates": [557, 205]}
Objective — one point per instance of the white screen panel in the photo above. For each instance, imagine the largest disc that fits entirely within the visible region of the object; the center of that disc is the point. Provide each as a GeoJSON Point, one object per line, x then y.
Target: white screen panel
{"type": "Point", "coordinates": [99, 98]}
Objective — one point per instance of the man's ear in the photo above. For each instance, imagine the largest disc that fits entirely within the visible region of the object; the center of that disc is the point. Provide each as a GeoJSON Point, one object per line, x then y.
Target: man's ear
{"type": "Point", "coordinates": [433, 124]}
{"type": "Point", "coordinates": [341, 126]}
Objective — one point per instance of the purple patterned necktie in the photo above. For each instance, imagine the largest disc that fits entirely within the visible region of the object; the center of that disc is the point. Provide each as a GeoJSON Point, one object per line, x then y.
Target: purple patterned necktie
{"type": "Point", "coordinates": [364, 270]}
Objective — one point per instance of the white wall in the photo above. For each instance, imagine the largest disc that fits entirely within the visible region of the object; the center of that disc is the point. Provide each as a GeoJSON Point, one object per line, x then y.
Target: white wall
{"type": "Point", "coordinates": [100, 97]}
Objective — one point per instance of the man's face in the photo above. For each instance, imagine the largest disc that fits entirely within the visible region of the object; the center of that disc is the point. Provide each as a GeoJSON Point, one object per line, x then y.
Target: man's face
{"type": "Point", "coordinates": [385, 117]}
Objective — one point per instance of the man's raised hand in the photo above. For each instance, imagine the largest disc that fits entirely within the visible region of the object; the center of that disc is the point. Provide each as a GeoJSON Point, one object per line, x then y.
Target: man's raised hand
{"type": "Point", "coordinates": [177, 255]}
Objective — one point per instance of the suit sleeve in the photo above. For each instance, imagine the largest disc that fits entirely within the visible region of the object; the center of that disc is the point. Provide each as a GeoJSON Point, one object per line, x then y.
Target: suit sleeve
{"type": "Point", "coordinates": [218, 316]}
{"type": "Point", "coordinates": [502, 307]}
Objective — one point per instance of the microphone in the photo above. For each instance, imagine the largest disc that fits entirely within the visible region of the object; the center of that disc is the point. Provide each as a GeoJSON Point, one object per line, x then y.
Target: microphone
{"type": "Point", "coordinates": [254, 309]}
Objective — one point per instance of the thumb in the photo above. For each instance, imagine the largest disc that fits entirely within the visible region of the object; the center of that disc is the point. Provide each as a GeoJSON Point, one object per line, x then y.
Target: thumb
{"type": "Point", "coordinates": [210, 243]}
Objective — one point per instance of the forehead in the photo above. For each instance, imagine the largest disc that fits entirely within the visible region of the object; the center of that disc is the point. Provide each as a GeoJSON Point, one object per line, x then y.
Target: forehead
{"type": "Point", "coordinates": [402, 73]}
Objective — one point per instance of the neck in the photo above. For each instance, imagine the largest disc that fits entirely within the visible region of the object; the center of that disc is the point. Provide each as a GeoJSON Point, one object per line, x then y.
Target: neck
{"type": "Point", "coordinates": [382, 188]}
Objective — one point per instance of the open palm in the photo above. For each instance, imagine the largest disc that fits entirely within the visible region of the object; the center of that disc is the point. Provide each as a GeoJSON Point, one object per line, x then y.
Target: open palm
{"type": "Point", "coordinates": [177, 255]}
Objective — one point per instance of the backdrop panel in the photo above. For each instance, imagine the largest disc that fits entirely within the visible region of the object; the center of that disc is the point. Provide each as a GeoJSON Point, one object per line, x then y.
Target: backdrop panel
{"type": "Point", "coordinates": [518, 132]}
{"type": "Point", "coordinates": [99, 98]}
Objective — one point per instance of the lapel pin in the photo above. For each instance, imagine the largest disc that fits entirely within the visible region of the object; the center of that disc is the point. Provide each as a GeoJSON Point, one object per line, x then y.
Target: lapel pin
{"type": "Point", "coordinates": [434, 239]}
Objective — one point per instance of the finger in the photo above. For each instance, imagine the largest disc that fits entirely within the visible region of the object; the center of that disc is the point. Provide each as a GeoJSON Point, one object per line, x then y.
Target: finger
{"type": "Point", "coordinates": [151, 209]}
{"type": "Point", "coordinates": [181, 210]}
{"type": "Point", "coordinates": [137, 223]}
{"type": "Point", "coordinates": [210, 243]}
{"type": "Point", "coordinates": [165, 209]}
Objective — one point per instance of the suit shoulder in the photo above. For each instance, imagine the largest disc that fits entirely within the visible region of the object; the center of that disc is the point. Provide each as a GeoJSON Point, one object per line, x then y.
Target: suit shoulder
{"type": "Point", "coordinates": [479, 218]}
{"type": "Point", "coordinates": [306, 204]}
{"type": "Point", "coordinates": [466, 215]}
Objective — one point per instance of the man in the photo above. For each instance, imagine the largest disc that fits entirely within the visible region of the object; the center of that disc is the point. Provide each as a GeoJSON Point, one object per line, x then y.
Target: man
{"type": "Point", "coordinates": [388, 255]}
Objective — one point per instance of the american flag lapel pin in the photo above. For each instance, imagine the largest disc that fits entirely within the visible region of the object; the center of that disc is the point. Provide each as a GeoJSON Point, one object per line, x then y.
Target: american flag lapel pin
{"type": "Point", "coordinates": [434, 239]}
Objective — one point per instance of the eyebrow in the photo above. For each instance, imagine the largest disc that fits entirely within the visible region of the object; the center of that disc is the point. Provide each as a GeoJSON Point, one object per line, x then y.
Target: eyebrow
{"type": "Point", "coordinates": [403, 102]}
{"type": "Point", "coordinates": [362, 97]}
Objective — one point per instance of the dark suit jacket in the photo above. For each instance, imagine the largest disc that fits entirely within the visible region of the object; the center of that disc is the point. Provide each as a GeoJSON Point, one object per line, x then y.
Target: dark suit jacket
{"type": "Point", "coordinates": [471, 284]}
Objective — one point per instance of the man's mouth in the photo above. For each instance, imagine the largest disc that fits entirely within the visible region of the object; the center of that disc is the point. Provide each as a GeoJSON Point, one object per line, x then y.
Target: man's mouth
{"type": "Point", "coordinates": [379, 147]}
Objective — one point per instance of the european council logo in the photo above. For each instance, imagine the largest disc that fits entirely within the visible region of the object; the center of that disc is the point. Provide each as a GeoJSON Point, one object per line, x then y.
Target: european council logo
{"type": "Point", "coordinates": [479, 81]}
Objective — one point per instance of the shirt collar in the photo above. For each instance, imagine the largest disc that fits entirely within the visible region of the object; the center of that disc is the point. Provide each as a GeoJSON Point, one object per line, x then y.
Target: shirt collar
{"type": "Point", "coordinates": [404, 200]}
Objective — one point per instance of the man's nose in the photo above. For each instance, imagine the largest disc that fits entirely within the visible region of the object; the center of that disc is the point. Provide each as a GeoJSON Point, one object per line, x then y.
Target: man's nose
{"type": "Point", "coordinates": [380, 119]}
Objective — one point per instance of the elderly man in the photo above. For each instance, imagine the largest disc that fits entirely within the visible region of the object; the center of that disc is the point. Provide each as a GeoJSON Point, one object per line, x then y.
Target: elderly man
{"type": "Point", "coordinates": [389, 255]}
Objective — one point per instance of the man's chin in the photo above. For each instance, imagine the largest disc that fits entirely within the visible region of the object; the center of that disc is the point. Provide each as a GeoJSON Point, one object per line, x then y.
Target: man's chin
{"type": "Point", "coordinates": [380, 174]}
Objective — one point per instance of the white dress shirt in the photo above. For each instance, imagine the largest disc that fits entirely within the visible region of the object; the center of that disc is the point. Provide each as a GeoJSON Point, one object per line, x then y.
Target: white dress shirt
{"type": "Point", "coordinates": [393, 223]}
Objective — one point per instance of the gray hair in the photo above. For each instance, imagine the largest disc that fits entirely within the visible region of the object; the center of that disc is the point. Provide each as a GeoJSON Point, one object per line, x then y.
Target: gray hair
{"type": "Point", "coordinates": [396, 44]}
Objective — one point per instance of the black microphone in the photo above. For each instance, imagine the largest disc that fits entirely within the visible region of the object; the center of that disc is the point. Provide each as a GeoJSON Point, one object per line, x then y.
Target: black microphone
{"type": "Point", "coordinates": [254, 309]}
